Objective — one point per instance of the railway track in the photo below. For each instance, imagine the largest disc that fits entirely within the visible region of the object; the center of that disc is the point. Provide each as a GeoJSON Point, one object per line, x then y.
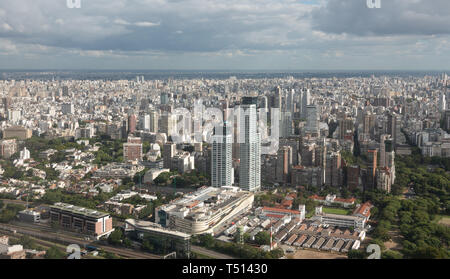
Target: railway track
{"type": "Point", "coordinates": [67, 240]}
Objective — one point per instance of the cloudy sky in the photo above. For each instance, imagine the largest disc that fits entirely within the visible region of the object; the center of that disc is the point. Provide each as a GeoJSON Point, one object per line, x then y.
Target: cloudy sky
{"type": "Point", "coordinates": [225, 34]}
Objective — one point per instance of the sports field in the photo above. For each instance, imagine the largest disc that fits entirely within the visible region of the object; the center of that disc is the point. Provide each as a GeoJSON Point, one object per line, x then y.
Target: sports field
{"type": "Point", "coordinates": [340, 211]}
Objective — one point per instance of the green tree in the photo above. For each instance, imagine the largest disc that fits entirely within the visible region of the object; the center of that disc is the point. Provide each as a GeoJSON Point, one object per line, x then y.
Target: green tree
{"type": "Point", "coordinates": [356, 254]}
{"type": "Point", "coordinates": [262, 238]}
{"type": "Point", "coordinates": [54, 253]}
{"type": "Point", "coordinates": [148, 246]}
{"type": "Point", "coordinates": [390, 254]}
{"type": "Point", "coordinates": [163, 178]}
{"type": "Point", "coordinates": [115, 238]}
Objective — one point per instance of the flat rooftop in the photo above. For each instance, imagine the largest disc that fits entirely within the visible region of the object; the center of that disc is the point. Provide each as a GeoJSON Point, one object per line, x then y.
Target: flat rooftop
{"type": "Point", "coordinates": [79, 210]}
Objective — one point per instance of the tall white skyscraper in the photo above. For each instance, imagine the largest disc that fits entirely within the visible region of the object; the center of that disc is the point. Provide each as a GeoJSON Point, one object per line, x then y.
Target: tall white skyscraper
{"type": "Point", "coordinates": [250, 146]}
{"type": "Point", "coordinates": [144, 122]}
{"type": "Point", "coordinates": [290, 101]}
{"type": "Point", "coordinates": [442, 102]}
{"type": "Point", "coordinates": [221, 159]}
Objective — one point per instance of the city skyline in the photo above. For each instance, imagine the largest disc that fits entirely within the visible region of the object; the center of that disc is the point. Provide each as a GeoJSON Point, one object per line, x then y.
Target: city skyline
{"type": "Point", "coordinates": [213, 129]}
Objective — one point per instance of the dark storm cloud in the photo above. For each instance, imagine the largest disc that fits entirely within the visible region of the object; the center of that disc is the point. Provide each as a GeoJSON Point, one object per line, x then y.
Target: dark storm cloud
{"type": "Point", "coordinates": [395, 17]}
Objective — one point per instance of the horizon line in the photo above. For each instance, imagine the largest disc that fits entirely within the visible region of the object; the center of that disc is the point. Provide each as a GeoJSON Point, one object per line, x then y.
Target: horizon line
{"type": "Point", "coordinates": [239, 70]}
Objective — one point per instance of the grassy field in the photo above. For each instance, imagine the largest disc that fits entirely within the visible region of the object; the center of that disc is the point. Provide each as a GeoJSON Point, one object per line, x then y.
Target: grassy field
{"type": "Point", "coordinates": [340, 211]}
{"type": "Point", "coordinates": [442, 220]}
{"type": "Point", "coordinates": [314, 254]}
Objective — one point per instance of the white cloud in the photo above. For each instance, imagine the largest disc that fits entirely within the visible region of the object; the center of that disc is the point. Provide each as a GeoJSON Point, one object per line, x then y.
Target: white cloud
{"type": "Point", "coordinates": [147, 24]}
{"type": "Point", "coordinates": [240, 31]}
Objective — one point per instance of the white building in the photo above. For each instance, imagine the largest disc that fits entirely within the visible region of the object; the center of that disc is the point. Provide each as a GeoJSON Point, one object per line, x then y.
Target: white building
{"type": "Point", "coordinates": [305, 99]}
{"type": "Point", "coordinates": [144, 122]}
{"type": "Point", "coordinates": [250, 146]}
{"type": "Point", "coordinates": [204, 210]}
{"type": "Point", "coordinates": [25, 154]}
{"type": "Point", "coordinates": [14, 116]}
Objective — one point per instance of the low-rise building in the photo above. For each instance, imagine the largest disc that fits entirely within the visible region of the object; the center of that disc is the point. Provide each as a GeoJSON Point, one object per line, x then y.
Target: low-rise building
{"type": "Point", "coordinates": [204, 210]}
{"type": "Point", "coordinates": [83, 220]}
{"type": "Point", "coordinates": [177, 241]}
{"type": "Point", "coordinates": [29, 216]}
{"type": "Point", "coordinates": [339, 220]}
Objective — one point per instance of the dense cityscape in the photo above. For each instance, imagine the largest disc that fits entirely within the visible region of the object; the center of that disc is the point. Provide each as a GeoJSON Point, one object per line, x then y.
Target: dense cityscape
{"type": "Point", "coordinates": [223, 139]}
{"type": "Point", "coordinates": [224, 165]}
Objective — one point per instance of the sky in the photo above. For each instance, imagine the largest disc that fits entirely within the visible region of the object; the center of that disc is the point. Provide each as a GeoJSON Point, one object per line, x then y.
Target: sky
{"type": "Point", "coordinates": [225, 35]}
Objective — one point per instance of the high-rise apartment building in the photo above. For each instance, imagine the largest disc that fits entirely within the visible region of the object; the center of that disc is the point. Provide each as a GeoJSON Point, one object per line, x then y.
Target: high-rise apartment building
{"type": "Point", "coordinates": [306, 101]}
{"type": "Point", "coordinates": [153, 121]}
{"type": "Point", "coordinates": [221, 163]}
{"type": "Point", "coordinates": [131, 123]}
{"type": "Point", "coordinates": [144, 122]}
{"type": "Point", "coordinates": [312, 120]}
{"type": "Point", "coordinates": [169, 151]}
{"type": "Point", "coordinates": [284, 164]}
{"type": "Point", "coordinates": [250, 146]}
{"type": "Point", "coordinates": [168, 123]}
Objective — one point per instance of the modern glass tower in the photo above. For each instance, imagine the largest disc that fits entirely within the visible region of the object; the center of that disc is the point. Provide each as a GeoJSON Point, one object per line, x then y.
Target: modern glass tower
{"type": "Point", "coordinates": [312, 119]}
{"type": "Point", "coordinates": [221, 156]}
{"type": "Point", "coordinates": [250, 146]}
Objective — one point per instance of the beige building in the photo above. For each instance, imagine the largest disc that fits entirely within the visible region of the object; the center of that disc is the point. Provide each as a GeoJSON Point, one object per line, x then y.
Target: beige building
{"type": "Point", "coordinates": [8, 148]}
{"type": "Point", "coordinates": [18, 132]}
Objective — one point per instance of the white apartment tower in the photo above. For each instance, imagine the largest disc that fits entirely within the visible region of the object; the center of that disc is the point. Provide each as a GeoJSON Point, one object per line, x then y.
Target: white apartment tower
{"type": "Point", "coordinates": [144, 122]}
{"type": "Point", "coordinates": [442, 102]}
{"type": "Point", "coordinates": [250, 146]}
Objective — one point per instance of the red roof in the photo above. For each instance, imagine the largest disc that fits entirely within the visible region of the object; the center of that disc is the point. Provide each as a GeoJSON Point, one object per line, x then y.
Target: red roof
{"type": "Point", "coordinates": [364, 209]}
{"type": "Point", "coordinates": [316, 197]}
{"type": "Point", "coordinates": [287, 203]}
{"type": "Point", "coordinates": [351, 200]}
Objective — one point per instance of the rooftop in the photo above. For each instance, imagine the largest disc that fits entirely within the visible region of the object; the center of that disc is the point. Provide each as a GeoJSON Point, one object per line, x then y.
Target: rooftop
{"type": "Point", "coordinates": [79, 210]}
